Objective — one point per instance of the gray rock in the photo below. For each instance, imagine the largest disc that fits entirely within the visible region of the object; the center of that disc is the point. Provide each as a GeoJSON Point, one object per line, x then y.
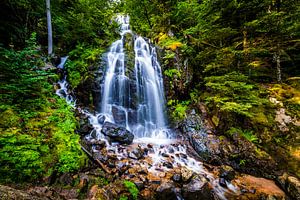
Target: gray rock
{"type": "Point", "coordinates": [101, 119]}
{"type": "Point", "coordinates": [222, 182]}
{"type": "Point", "coordinates": [117, 133]}
{"type": "Point", "coordinates": [136, 153]}
{"type": "Point", "coordinates": [176, 177]}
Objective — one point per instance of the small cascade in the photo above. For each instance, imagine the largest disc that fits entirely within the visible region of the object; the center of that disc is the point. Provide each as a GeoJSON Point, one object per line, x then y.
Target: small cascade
{"type": "Point", "coordinates": [63, 91]}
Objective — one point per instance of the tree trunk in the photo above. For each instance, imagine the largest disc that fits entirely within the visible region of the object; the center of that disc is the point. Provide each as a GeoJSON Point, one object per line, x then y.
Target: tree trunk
{"type": "Point", "coordinates": [278, 66]}
{"type": "Point", "coordinates": [49, 26]}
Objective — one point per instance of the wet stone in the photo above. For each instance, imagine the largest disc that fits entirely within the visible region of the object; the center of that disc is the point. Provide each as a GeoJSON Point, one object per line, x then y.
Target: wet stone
{"type": "Point", "coordinates": [99, 145]}
{"type": "Point", "coordinates": [222, 182]}
{"type": "Point", "coordinates": [119, 115]}
{"type": "Point", "coordinates": [153, 179]}
{"type": "Point", "coordinates": [186, 174]}
{"type": "Point", "coordinates": [243, 190]}
{"type": "Point", "coordinates": [139, 184]}
{"type": "Point", "coordinates": [146, 194]}
{"type": "Point", "coordinates": [253, 191]}
{"type": "Point", "coordinates": [94, 134]}
{"type": "Point", "coordinates": [117, 133]}
{"type": "Point", "coordinates": [101, 119]}
{"type": "Point", "coordinates": [168, 165]}
{"type": "Point", "coordinates": [165, 155]}
{"type": "Point", "coordinates": [171, 150]}
{"type": "Point", "coordinates": [111, 164]}
{"type": "Point", "coordinates": [176, 177]}
{"type": "Point", "coordinates": [136, 154]}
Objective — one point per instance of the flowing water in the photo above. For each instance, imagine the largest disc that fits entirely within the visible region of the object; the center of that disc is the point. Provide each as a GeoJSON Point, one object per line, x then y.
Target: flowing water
{"type": "Point", "coordinates": [63, 90]}
{"type": "Point", "coordinates": [134, 98]}
{"type": "Point", "coordinates": [136, 101]}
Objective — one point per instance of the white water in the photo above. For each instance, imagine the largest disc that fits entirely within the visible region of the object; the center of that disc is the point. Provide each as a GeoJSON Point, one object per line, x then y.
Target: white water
{"type": "Point", "coordinates": [144, 87]}
{"type": "Point", "coordinates": [63, 91]}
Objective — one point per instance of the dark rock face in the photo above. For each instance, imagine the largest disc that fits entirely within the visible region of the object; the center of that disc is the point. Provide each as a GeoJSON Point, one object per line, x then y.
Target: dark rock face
{"type": "Point", "coordinates": [198, 188]}
{"type": "Point", "coordinates": [192, 127]}
{"type": "Point", "coordinates": [222, 151]}
{"type": "Point", "coordinates": [117, 133]}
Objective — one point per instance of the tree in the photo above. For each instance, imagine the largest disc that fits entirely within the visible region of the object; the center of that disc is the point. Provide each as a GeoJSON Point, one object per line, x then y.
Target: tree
{"type": "Point", "coordinates": [49, 26]}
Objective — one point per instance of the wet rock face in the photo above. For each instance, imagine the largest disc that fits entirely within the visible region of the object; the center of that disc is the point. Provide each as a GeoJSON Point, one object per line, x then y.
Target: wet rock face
{"type": "Point", "coordinates": [119, 115]}
{"type": "Point", "coordinates": [117, 133]}
{"type": "Point", "coordinates": [220, 150]}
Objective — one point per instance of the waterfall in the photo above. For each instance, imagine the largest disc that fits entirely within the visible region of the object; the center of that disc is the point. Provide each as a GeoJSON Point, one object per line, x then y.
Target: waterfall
{"type": "Point", "coordinates": [134, 98]}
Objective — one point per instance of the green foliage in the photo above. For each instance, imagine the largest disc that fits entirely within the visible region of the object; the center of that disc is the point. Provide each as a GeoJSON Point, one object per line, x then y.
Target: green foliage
{"type": "Point", "coordinates": [42, 143]}
{"type": "Point", "coordinates": [132, 189]}
{"type": "Point", "coordinates": [81, 58]}
{"type": "Point", "coordinates": [172, 73]}
{"type": "Point", "coordinates": [21, 157]}
{"type": "Point", "coordinates": [24, 79]}
{"type": "Point", "coordinates": [233, 93]}
{"type": "Point", "coordinates": [37, 128]}
{"type": "Point", "coordinates": [178, 109]}
{"type": "Point", "coordinates": [248, 135]}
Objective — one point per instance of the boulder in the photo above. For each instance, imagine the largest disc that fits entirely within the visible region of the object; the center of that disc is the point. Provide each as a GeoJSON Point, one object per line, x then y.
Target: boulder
{"type": "Point", "coordinates": [117, 133]}
{"type": "Point", "coordinates": [186, 174]}
{"type": "Point", "coordinates": [197, 189]}
{"type": "Point", "coordinates": [166, 191]}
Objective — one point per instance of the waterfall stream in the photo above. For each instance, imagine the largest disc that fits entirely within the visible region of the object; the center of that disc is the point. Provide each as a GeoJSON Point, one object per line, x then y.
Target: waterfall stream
{"type": "Point", "coordinates": [134, 99]}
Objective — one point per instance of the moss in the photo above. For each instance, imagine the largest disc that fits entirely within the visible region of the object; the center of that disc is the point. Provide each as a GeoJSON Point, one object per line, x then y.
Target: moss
{"type": "Point", "coordinates": [9, 118]}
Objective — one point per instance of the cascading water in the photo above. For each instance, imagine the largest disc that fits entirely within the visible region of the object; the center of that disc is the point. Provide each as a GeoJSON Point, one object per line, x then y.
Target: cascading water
{"type": "Point", "coordinates": [134, 98]}
{"type": "Point", "coordinates": [63, 84]}
{"type": "Point", "coordinates": [135, 101]}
